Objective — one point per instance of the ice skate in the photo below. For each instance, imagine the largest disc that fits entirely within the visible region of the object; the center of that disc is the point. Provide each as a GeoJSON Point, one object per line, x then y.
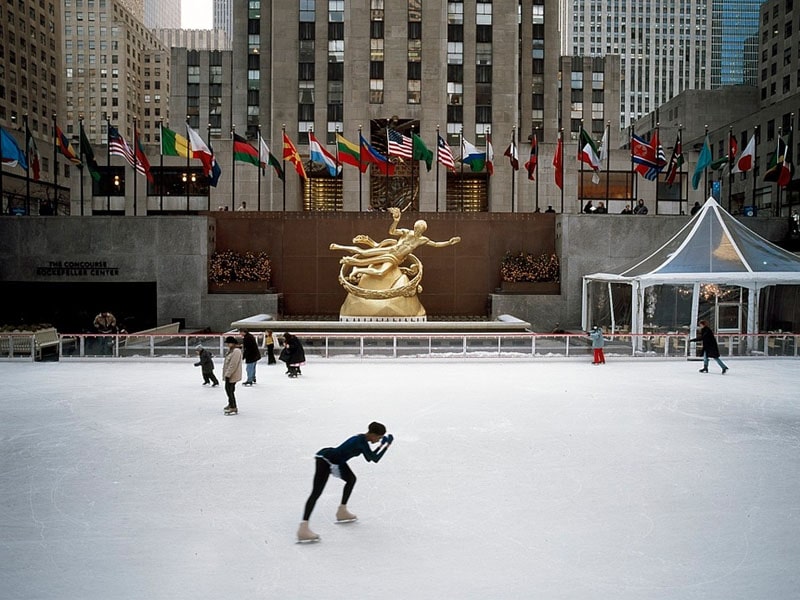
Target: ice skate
{"type": "Point", "coordinates": [344, 516]}
{"type": "Point", "coordinates": [229, 410]}
{"type": "Point", "coordinates": [724, 370]}
{"type": "Point", "coordinates": [704, 370]}
{"type": "Point", "coordinates": [305, 535]}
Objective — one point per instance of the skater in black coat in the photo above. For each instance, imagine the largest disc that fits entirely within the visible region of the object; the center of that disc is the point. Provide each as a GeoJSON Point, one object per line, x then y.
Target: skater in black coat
{"type": "Point", "coordinates": [710, 347]}
{"type": "Point", "coordinates": [251, 355]}
{"type": "Point", "coordinates": [292, 354]}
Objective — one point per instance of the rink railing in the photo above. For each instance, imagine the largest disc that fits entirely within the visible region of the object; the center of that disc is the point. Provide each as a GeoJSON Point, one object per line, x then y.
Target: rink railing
{"type": "Point", "coordinates": [411, 345]}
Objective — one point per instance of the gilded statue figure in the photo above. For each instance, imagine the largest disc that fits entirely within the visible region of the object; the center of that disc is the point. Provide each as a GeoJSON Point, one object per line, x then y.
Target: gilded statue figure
{"type": "Point", "coordinates": [383, 278]}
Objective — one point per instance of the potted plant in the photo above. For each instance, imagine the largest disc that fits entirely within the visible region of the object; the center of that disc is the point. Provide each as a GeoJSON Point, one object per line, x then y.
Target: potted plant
{"type": "Point", "coordinates": [525, 273]}
{"type": "Point", "coordinates": [234, 272]}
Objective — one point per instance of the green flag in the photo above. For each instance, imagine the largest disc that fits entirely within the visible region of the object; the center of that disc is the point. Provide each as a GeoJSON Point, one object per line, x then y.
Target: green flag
{"type": "Point", "coordinates": [703, 163]}
{"type": "Point", "coordinates": [420, 151]}
{"type": "Point", "coordinates": [88, 153]}
{"type": "Point", "coordinates": [719, 163]}
{"type": "Point", "coordinates": [173, 144]}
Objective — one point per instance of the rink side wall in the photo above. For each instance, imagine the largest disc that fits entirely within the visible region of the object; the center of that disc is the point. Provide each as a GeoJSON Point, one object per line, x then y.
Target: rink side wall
{"type": "Point", "coordinates": [172, 254]}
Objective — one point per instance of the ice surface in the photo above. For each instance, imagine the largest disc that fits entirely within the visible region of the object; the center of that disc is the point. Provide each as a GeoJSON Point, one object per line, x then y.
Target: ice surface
{"type": "Point", "coordinates": [640, 479]}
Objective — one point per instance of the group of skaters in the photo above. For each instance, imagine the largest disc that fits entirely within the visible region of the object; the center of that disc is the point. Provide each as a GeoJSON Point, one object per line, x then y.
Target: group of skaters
{"type": "Point", "coordinates": [706, 337]}
{"type": "Point", "coordinates": [329, 461]}
{"type": "Point", "coordinates": [248, 353]}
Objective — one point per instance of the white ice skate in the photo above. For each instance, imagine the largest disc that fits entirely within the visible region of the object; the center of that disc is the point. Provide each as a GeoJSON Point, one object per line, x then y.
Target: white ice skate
{"type": "Point", "coordinates": [305, 535]}
{"type": "Point", "coordinates": [344, 516]}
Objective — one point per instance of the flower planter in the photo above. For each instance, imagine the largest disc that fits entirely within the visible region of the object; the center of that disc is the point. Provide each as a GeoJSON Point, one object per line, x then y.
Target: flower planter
{"type": "Point", "coordinates": [239, 287]}
{"type": "Point", "coordinates": [530, 287]}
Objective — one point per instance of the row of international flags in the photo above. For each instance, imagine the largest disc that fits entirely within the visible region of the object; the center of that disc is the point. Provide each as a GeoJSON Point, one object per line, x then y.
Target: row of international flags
{"type": "Point", "coordinates": [647, 156]}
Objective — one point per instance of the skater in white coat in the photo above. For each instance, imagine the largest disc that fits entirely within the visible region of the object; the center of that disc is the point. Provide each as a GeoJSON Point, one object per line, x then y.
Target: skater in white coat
{"type": "Point", "coordinates": [232, 372]}
{"type": "Point", "coordinates": [333, 461]}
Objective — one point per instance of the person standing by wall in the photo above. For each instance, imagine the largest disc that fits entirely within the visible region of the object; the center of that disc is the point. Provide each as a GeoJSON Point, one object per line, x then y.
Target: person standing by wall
{"type": "Point", "coordinates": [231, 373]}
{"type": "Point", "coordinates": [640, 208]}
{"type": "Point", "coordinates": [206, 364]}
{"type": "Point", "coordinates": [269, 344]}
{"type": "Point", "coordinates": [710, 347]}
{"type": "Point", "coordinates": [251, 355]}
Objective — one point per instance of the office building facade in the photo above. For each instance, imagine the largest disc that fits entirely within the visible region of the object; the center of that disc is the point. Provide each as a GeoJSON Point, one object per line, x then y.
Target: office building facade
{"type": "Point", "coordinates": [459, 69]}
{"type": "Point", "coordinates": [30, 66]}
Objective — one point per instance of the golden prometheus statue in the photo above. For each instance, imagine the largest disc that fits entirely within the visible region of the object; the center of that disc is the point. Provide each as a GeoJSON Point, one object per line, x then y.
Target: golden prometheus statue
{"type": "Point", "coordinates": [382, 279]}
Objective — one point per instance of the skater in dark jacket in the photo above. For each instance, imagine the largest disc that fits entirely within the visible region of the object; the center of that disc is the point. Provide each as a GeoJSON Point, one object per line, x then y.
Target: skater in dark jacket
{"type": "Point", "coordinates": [333, 461]}
{"type": "Point", "coordinates": [206, 364]}
{"type": "Point", "coordinates": [251, 355]}
{"type": "Point", "coordinates": [292, 354]}
{"type": "Point", "coordinates": [710, 347]}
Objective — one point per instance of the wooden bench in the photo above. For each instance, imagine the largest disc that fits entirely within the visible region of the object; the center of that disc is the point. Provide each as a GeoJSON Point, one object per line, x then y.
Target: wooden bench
{"type": "Point", "coordinates": [27, 343]}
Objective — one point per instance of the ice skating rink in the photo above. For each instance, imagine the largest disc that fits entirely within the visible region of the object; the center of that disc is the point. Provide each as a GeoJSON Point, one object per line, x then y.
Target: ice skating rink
{"type": "Point", "coordinates": [642, 479]}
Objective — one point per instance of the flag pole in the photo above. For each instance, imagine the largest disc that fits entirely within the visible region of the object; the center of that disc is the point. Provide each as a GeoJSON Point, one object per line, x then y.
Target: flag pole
{"type": "Point", "coordinates": [755, 162]}
{"type": "Point", "coordinates": [680, 172]}
{"type": "Point", "coordinates": [135, 164]}
{"type": "Point", "coordinates": [561, 166]}
{"type": "Point", "coordinates": [513, 171]}
{"type": "Point", "coordinates": [580, 179]}
{"type": "Point", "coordinates": [188, 154]}
{"type": "Point", "coordinates": [233, 165]}
{"type": "Point", "coordinates": [655, 149]}
{"type": "Point", "coordinates": [108, 165]}
{"type": "Point", "coordinates": [437, 167]}
{"type": "Point", "coordinates": [28, 169]}
{"type": "Point", "coordinates": [80, 154]}
{"type": "Point", "coordinates": [634, 179]}
{"type": "Point", "coordinates": [411, 202]}
{"type": "Point", "coordinates": [339, 172]}
{"type": "Point", "coordinates": [283, 129]}
{"type": "Point", "coordinates": [386, 196]}
{"type": "Point", "coordinates": [360, 172]}
{"type": "Point", "coordinates": [536, 166]}
{"type": "Point", "coordinates": [608, 162]}
{"type": "Point", "coordinates": [461, 178]}
{"type": "Point", "coordinates": [705, 171]}
{"type": "Point", "coordinates": [161, 166]}
{"type": "Point", "coordinates": [55, 165]}
{"type": "Point", "coordinates": [213, 158]}
{"type": "Point", "coordinates": [260, 170]}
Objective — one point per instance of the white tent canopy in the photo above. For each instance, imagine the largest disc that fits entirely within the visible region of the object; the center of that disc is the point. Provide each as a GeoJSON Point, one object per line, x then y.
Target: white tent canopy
{"type": "Point", "coordinates": [712, 248]}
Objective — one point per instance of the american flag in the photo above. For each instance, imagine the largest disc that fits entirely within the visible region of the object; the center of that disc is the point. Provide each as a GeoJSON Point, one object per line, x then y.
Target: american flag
{"type": "Point", "coordinates": [444, 155]}
{"type": "Point", "coordinates": [399, 144]}
{"type": "Point", "coordinates": [119, 147]}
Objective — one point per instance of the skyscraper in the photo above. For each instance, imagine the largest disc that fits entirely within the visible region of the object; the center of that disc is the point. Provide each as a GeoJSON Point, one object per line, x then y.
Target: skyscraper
{"type": "Point", "coordinates": [223, 15]}
{"type": "Point", "coordinates": [665, 47]}
{"type": "Point", "coordinates": [734, 45]}
{"type": "Point", "coordinates": [162, 14]}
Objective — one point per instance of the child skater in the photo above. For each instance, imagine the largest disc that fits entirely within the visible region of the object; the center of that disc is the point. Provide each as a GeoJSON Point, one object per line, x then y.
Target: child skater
{"type": "Point", "coordinates": [597, 346]}
{"type": "Point", "coordinates": [333, 461]}
{"type": "Point", "coordinates": [206, 364]}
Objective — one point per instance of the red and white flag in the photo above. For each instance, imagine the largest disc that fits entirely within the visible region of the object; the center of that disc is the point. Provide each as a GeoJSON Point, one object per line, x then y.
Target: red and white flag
{"type": "Point", "coordinates": [746, 159]}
